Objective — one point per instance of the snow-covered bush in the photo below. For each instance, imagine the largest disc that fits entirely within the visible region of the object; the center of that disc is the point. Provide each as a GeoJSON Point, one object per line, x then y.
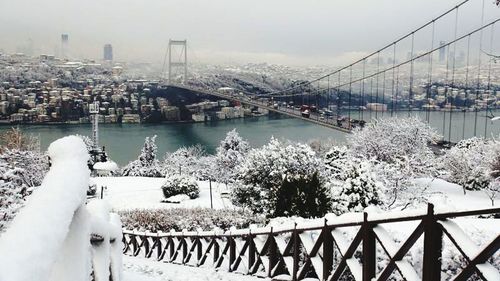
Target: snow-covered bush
{"type": "Point", "coordinates": [471, 163]}
{"type": "Point", "coordinates": [352, 182]}
{"type": "Point", "coordinates": [263, 174]}
{"type": "Point", "coordinates": [146, 165]}
{"type": "Point", "coordinates": [189, 219]}
{"type": "Point", "coordinates": [180, 184]}
{"type": "Point", "coordinates": [230, 153]}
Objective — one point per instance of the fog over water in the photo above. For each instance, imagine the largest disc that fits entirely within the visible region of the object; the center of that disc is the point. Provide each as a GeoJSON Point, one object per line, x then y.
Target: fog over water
{"type": "Point", "coordinates": [294, 32]}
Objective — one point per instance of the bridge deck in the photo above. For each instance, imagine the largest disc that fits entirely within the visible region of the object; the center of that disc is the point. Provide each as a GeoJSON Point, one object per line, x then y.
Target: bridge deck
{"type": "Point", "coordinates": [328, 121]}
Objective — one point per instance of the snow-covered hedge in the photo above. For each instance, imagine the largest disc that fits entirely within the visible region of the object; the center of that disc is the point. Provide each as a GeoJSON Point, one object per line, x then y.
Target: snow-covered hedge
{"type": "Point", "coordinates": [189, 219]}
{"type": "Point", "coordinates": [180, 184]}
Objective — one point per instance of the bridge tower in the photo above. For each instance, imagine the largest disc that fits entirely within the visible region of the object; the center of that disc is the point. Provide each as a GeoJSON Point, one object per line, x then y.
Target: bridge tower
{"type": "Point", "coordinates": [181, 62]}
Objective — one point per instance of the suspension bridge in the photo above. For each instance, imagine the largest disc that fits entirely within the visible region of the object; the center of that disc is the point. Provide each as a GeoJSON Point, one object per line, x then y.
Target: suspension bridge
{"type": "Point", "coordinates": [448, 76]}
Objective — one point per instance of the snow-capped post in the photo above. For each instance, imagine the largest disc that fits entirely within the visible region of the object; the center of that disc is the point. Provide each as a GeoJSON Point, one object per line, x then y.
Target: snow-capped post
{"type": "Point", "coordinates": [327, 250]}
{"type": "Point", "coordinates": [273, 258]}
{"type": "Point", "coordinates": [232, 250]}
{"type": "Point", "coordinates": [48, 239]}
{"type": "Point", "coordinates": [369, 250]}
{"type": "Point", "coordinates": [433, 244]}
{"type": "Point", "coordinates": [296, 251]}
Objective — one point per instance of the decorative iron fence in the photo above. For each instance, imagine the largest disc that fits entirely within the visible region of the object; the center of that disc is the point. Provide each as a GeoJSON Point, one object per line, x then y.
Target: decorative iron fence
{"type": "Point", "coordinates": [343, 249]}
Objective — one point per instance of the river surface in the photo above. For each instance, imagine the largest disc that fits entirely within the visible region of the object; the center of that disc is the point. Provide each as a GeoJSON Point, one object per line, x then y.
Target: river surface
{"type": "Point", "coordinates": [124, 141]}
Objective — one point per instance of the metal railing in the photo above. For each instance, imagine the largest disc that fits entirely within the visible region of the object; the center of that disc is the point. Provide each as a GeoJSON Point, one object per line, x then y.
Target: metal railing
{"type": "Point", "coordinates": [325, 251]}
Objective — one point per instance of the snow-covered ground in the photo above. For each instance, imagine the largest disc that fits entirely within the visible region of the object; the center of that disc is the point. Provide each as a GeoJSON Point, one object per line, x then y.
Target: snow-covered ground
{"type": "Point", "coordinates": [125, 193]}
{"type": "Point", "coordinates": [141, 269]}
{"type": "Point", "coordinates": [450, 197]}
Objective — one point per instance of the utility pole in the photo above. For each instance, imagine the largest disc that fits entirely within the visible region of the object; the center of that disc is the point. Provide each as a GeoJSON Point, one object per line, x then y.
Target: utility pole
{"type": "Point", "coordinates": [94, 112]}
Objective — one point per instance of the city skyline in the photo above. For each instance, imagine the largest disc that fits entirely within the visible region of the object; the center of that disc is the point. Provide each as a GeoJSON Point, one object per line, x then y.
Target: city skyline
{"type": "Point", "coordinates": [220, 32]}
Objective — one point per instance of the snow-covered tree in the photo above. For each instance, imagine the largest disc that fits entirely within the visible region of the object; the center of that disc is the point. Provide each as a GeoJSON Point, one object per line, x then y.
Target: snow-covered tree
{"type": "Point", "coordinates": [146, 165]}
{"type": "Point", "coordinates": [32, 165]}
{"type": "Point", "coordinates": [12, 193]}
{"type": "Point", "coordinates": [16, 139]}
{"type": "Point", "coordinates": [185, 160]}
{"type": "Point", "coordinates": [388, 139]}
{"type": "Point", "coordinates": [230, 153]}
{"type": "Point", "coordinates": [268, 171]}
{"type": "Point", "coordinates": [351, 181]}
{"type": "Point", "coordinates": [469, 163]}
{"type": "Point", "coordinates": [399, 151]}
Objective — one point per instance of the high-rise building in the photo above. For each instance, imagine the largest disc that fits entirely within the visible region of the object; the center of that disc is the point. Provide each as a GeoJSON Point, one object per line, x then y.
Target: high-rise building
{"type": "Point", "coordinates": [64, 45]}
{"type": "Point", "coordinates": [108, 52]}
{"type": "Point", "coordinates": [442, 51]}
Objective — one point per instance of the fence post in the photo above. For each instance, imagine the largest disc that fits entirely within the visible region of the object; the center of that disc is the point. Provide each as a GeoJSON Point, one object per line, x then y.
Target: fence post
{"type": "Point", "coordinates": [296, 249]}
{"type": "Point", "coordinates": [232, 251]}
{"type": "Point", "coordinates": [199, 250]}
{"type": "Point", "coordinates": [216, 250]}
{"type": "Point", "coordinates": [272, 254]}
{"type": "Point", "coordinates": [158, 246]}
{"type": "Point", "coordinates": [433, 243]}
{"type": "Point", "coordinates": [251, 252]}
{"type": "Point", "coordinates": [184, 248]}
{"type": "Point", "coordinates": [172, 249]}
{"type": "Point", "coordinates": [369, 251]}
{"type": "Point", "coordinates": [145, 243]}
{"type": "Point", "coordinates": [134, 244]}
{"type": "Point", "coordinates": [327, 251]}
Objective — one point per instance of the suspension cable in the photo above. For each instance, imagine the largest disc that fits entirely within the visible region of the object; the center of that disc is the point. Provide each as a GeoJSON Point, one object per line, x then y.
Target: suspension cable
{"type": "Point", "coordinates": [386, 46]}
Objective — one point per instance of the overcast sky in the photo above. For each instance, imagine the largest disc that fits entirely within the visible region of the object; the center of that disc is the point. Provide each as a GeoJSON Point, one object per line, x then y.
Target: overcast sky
{"type": "Point", "coordinates": [295, 32]}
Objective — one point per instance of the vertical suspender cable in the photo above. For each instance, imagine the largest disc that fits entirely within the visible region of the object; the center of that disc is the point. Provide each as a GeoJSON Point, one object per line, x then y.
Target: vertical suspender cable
{"type": "Point", "coordinates": [410, 93]}
{"type": "Point", "coordinates": [378, 70]}
{"type": "Point", "coordinates": [350, 94]}
{"type": "Point", "coordinates": [479, 70]}
{"type": "Point", "coordinates": [453, 74]}
{"type": "Point", "coordinates": [489, 80]}
{"type": "Point", "coordinates": [429, 87]}
{"type": "Point", "coordinates": [393, 79]}
{"type": "Point", "coordinates": [339, 94]}
{"type": "Point", "coordinates": [397, 89]}
{"type": "Point", "coordinates": [466, 86]}
{"type": "Point", "coordinates": [383, 93]}
{"type": "Point", "coordinates": [362, 105]}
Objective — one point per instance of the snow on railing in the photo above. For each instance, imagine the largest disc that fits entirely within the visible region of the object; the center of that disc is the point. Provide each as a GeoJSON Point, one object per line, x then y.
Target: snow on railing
{"type": "Point", "coordinates": [50, 238]}
{"type": "Point", "coordinates": [328, 249]}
